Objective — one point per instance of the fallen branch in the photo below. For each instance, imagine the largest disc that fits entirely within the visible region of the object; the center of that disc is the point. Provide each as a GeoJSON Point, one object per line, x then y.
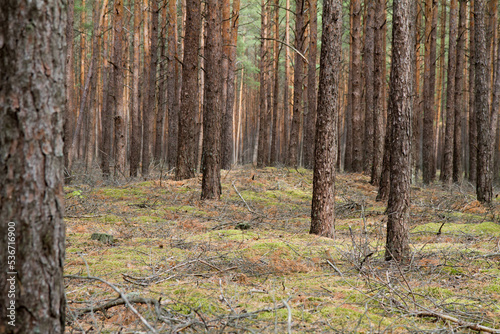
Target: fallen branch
{"type": "Point", "coordinates": [475, 327]}
{"type": "Point", "coordinates": [122, 295]}
{"type": "Point", "coordinates": [118, 302]}
{"type": "Point", "coordinates": [248, 207]}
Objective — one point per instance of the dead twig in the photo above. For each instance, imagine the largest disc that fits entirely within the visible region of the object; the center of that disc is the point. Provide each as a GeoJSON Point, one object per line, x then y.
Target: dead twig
{"type": "Point", "coordinates": [475, 327]}
{"type": "Point", "coordinates": [248, 207]}
{"type": "Point", "coordinates": [118, 302]}
{"type": "Point", "coordinates": [122, 295]}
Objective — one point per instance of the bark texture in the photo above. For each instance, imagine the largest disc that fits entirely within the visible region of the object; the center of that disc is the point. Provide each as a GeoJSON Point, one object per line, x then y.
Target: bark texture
{"type": "Point", "coordinates": [484, 189]}
{"type": "Point", "coordinates": [186, 153]}
{"type": "Point", "coordinates": [429, 137]}
{"type": "Point", "coordinates": [310, 117]}
{"type": "Point", "coordinates": [323, 200]}
{"type": "Point", "coordinates": [293, 153]}
{"type": "Point", "coordinates": [401, 102]}
{"type": "Point", "coordinates": [212, 115]}
{"type": "Point", "coordinates": [32, 100]}
{"type": "Point", "coordinates": [378, 92]}
{"type": "Point", "coordinates": [450, 95]}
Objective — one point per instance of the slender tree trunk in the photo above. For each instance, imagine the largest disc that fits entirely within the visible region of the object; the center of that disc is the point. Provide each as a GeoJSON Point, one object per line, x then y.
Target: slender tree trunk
{"type": "Point", "coordinates": [231, 76]}
{"type": "Point", "coordinates": [32, 95]}
{"type": "Point", "coordinates": [286, 90]}
{"type": "Point", "coordinates": [417, 102]}
{"type": "Point", "coordinates": [429, 137]}
{"type": "Point", "coordinates": [357, 111]}
{"type": "Point", "coordinates": [450, 95]}
{"type": "Point", "coordinates": [186, 154]}
{"type": "Point", "coordinates": [310, 117]}
{"type": "Point", "coordinates": [212, 115]}
{"type": "Point", "coordinates": [472, 98]}
{"type": "Point", "coordinates": [263, 142]}
{"type": "Point", "coordinates": [172, 83]}
{"type": "Point", "coordinates": [368, 68]}
{"type": "Point", "coordinates": [378, 93]}
{"type": "Point", "coordinates": [482, 93]}
{"type": "Point", "coordinates": [440, 88]}
{"type": "Point", "coordinates": [459, 93]}
{"type": "Point", "coordinates": [117, 97]}
{"type": "Point", "coordinates": [70, 108]}
{"type": "Point", "coordinates": [227, 115]}
{"type": "Point", "coordinates": [293, 155]}
{"type": "Point", "coordinates": [135, 140]}
{"type": "Point", "coordinates": [276, 118]}
{"type": "Point", "coordinates": [161, 110]}
{"type": "Point", "coordinates": [323, 202]}
{"type": "Point", "coordinates": [398, 207]}
{"type": "Point", "coordinates": [146, 116]}
{"type": "Point", "coordinates": [348, 115]}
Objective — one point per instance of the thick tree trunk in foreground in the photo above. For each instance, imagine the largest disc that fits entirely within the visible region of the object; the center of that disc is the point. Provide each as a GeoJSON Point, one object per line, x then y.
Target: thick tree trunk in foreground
{"type": "Point", "coordinates": [212, 114]}
{"type": "Point", "coordinates": [482, 106]}
{"type": "Point", "coordinates": [32, 99]}
{"type": "Point", "coordinates": [186, 153]}
{"type": "Point", "coordinates": [401, 102]}
{"type": "Point", "coordinates": [323, 201]}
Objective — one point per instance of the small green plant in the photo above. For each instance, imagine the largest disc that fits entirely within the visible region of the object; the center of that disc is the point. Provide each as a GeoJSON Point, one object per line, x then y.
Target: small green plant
{"type": "Point", "coordinates": [77, 194]}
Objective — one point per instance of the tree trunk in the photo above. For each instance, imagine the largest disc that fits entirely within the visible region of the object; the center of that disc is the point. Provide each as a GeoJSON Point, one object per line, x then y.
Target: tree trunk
{"type": "Point", "coordinates": [286, 90]}
{"type": "Point", "coordinates": [276, 119]}
{"type": "Point", "coordinates": [293, 155]}
{"type": "Point", "coordinates": [368, 65]}
{"type": "Point", "coordinates": [161, 110]}
{"type": "Point", "coordinates": [378, 93]}
{"type": "Point", "coordinates": [186, 153]}
{"type": "Point", "coordinates": [117, 94]}
{"type": "Point", "coordinates": [231, 76]}
{"type": "Point", "coordinates": [32, 95]}
{"type": "Point", "coordinates": [417, 109]}
{"type": "Point", "coordinates": [323, 200]}
{"type": "Point", "coordinates": [310, 117]}
{"type": "Point", "coordinates": [135, 140]}
{"type": "Point", "coordinates": [172, 83]}
{"type": "Point", "coordinates": [398, 207]}
{"type": "Point", "coordinates": [459, 93]}
{"type": "Point", "coordinates": [472, 98]}
{"type": "Point", "coordinates": [212, 114]}
{"type": "Point", "coordinates": [263, 145]}
{"type": "Point", "coordinates": [482, 93]}
{"type": "Point", "coordinates": [357, 110]}
{"type": "Point", "coordinates": [450, 95]}
{"type": "Point", "coordinates": [227, 115]}
{"type": "Point", "coordinates": [429, 137]}
{"type": "Point", "coordinates": [70, 108]}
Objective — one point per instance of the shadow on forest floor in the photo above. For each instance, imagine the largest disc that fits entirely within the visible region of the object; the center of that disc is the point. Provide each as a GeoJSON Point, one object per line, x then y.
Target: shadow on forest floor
{"type": "Point", "coordinates": [246, 263]}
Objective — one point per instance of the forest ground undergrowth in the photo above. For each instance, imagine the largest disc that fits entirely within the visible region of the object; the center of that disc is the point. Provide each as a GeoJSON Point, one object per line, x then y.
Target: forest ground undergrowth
{"type": "Point", "coordinates": [247, 263]}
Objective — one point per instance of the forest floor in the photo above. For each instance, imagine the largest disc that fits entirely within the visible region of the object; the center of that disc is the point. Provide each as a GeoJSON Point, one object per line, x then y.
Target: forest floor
{"type": "Point", "coordinates": [247, 263]}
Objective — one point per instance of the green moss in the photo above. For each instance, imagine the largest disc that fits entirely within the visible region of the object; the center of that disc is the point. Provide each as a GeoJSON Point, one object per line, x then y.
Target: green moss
{"type": "Point", "coordinates": [488, 228]}
{"type": "Point", "coordinates": [237, 235]}
{"type": "Point", "coordinates": [148, 219]}
{"type": "Point", "coordinates": [123, 193]}
{"type": "Point", "coordinates": [110, 219]}
{"type": "Point", "coordinates": [435, 292]}
{"type": "Point", "coordinates": [185, 209]}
